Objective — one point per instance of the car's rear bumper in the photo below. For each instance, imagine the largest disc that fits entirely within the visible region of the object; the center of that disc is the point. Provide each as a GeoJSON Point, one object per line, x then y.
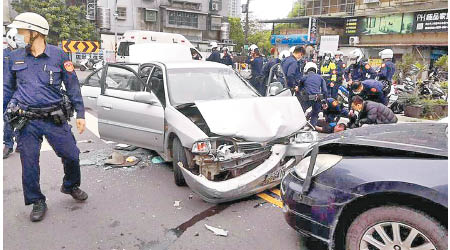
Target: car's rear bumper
{"type": "Point", "coordinates": [265, 176]}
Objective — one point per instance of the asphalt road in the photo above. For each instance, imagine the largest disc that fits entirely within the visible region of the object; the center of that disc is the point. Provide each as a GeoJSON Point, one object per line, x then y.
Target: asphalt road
{"type": "Point", "coordinates": [133, 208]}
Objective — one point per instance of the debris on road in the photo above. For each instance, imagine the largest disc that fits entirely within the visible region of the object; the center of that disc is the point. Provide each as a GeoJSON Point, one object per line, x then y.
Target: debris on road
{"type": "Point", "coordinates": [217, 231]}
{"type": "Point", "coordinates": [196, 234]}
{"type": "Point", "coordinates": [86, 163]}
{"type": "Point", "coordinates": [117, 160]}
{"type": "Point", "coordinates": [157, 159]}
{"type": "Point", "coordinates": [176, 203]}
{"type": "Point", "coordinates": [86, 151]}
{"type": "Point", "coordinates": [125, 147]}
{"type": "Point", "coordinates": [191, 196]}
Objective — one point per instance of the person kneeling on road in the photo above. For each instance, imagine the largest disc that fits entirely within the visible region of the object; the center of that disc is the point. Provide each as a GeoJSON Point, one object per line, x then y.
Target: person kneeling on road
{"type": "Point", "coordinates": [332, 112]}
{"type": "Point", "coordinates": [371, 90]}
{"type": "Point", "coordinates": [313, 89]}
{"type": "Point", "coordinates": [371, 112]}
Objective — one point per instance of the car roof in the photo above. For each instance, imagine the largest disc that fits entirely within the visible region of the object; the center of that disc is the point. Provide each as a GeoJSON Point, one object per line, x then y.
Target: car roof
{"type": "Point", "coordinates": [427, 138]}
{"type": "Point", "coordinates": [194, 64]}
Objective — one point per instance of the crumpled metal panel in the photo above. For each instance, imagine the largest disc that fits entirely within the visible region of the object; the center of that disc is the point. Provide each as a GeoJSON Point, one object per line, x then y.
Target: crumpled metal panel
{"type": "Point", "coordinates": [239, 187]}
{"type": "Point", "coordinates": [253, 119]}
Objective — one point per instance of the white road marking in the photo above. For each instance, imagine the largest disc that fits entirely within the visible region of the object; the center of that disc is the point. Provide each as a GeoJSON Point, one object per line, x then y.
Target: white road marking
{"type": "Point", "coordinates": [91, 125]}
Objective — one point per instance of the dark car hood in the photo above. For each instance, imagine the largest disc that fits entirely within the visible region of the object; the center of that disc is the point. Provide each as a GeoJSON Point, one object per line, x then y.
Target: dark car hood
{"type": "Point", "coordinates": [426, 138]}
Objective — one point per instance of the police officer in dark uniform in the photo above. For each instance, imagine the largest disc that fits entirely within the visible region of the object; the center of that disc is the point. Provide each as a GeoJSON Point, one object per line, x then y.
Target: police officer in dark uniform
{"type": "Point", "coordinates": [226, 58]}
{"type": "Point", "coordinates": [332, 112]}
{"type": "Point", "coordinates": [33, 95]}
{"type": "Point", "coordinates": [267, 66]}
{"type": "Point", "coordinates": [340, 69]}
{"type": "Point", "coordinates": [313, 89]}
{"type": "Point", "coordinates": [359, 68]}
{"type": "Point", "coordinates": [215, 54]}
{"type": "Point", "coordinates": [371, 90]}
{"type": "Point", "coordinates": [8, 133]}
{"type": "Point", "coordinates": [256, 63]}
{"type": "Point", "coordinates": [291, 70]}
{"type": "Point", "coordinates": [387, 70]}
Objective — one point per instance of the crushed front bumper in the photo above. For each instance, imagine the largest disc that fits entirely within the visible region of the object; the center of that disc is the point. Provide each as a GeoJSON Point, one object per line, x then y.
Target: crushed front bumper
{"type": "Point", "coordinates": [265, 176]}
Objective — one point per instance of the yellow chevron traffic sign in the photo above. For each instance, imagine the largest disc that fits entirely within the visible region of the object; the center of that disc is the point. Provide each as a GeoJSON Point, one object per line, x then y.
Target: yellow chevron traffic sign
{"type": "Point", "coordinates": [81, 46]}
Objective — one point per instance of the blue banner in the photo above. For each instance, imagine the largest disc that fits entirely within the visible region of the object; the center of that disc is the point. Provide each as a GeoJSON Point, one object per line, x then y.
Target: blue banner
{"type": "Point", "coordinates": [291, 40]}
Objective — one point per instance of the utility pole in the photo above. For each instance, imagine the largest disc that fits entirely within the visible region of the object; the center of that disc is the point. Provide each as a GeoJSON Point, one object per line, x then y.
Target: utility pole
{"type": "Point", "coordinates": [115, 31]}
{"type": "Point", "coordinates": [246, 22]}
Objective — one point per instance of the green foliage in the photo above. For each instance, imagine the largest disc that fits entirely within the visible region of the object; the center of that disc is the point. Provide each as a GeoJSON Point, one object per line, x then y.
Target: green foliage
{"type": "Point", "coordinates": [297, 10]}
{"type": "Point", "coordinates": [442, 62]}
{"type": "Point", "coordinates": [262, 39]}
{"type": "Point", "coordinates": [237, 32]}
{"type": "Point", "coordinates": [444, 86]}
{"type": "Point", "coordinates": [66, 22]}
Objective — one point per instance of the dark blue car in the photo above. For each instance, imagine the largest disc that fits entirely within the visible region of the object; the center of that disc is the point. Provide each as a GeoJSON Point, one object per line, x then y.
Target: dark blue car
{"type": "Point", "coordinates": [376, 187]}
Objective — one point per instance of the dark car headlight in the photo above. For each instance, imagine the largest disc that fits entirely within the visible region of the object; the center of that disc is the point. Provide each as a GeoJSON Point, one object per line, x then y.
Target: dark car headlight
{"type": "Point", "coordinates": [323, 162]}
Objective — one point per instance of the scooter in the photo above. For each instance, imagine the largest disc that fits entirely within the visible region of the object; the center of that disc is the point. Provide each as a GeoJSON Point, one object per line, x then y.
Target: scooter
{"type": "Point", "coordinates": [91, 64]}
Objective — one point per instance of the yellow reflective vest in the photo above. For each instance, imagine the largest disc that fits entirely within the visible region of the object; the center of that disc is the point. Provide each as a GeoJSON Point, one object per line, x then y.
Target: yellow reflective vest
{"type": "Point", "coordinates": [329, 68]}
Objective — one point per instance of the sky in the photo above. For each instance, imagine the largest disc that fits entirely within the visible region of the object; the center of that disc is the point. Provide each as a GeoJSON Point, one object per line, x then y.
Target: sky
{"type": "Point", "coordinates": [270, 9]}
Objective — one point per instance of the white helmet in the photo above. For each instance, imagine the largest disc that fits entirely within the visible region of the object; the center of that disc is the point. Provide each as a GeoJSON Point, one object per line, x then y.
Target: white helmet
{"type": "Point", "coordinates": [338, 53]}
{"type": "Point", "coordinates": [11, 38]}
{"type": "Point", "coordinates": [213, 45]}
{"type": "Point", "coordinates": [310, 65]}
{"type": "Point", "coordinates": [386, 54]}
{"type": "Point", "coordinates": [283, 54]}
{"type": "Point", "coordinates": [356, 54]}
{"type": "Point", "coordinates": [252, 47]}
{"type": "Point", "coordinates": [291, 49]}
{"type": "Point", "coordinates": [31, 21]}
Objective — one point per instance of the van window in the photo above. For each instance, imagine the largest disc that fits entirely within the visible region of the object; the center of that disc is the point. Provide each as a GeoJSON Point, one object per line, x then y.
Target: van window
{"type": "Point", "coordinates": [124, 48]}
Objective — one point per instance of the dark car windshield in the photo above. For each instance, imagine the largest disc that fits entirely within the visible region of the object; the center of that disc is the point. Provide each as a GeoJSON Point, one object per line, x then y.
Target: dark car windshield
{"type": "Point", "coordinates": [190, 85]}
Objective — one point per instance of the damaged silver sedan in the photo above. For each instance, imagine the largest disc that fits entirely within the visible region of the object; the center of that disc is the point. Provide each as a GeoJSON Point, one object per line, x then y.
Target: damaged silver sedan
{"type": "Point", "coordinates": [225, 141]}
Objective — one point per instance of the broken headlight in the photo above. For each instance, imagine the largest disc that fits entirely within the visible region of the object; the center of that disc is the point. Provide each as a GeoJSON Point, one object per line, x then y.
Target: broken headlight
{"type": "Point", "coordinates": [323, 162]}
{"type": "Point", "coordinates": [305, 137]}
{"type": "Point", "coordinates": [201, 147]}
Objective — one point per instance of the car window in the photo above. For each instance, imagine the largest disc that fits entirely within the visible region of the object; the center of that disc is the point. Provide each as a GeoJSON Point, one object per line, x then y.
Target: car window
{"type": "Point", "coordinates": [188, 85]}
{"type": "Point", "coordinates": [124, 48]}
{"type": "Point", "coordinates": [156, 82]}
{"type": "Point", "coordinates": [94, 79]}
{"type": "Point", "coordinates": [123, 79]}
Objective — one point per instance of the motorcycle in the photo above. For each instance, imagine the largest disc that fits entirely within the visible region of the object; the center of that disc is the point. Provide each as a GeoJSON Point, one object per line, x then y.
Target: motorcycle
{"type": "Point", "coordinates": [91, 64]}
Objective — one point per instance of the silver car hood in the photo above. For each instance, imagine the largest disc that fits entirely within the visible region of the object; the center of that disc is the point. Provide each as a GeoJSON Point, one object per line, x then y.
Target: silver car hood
{"type": "Point", "coordinates": [259, 119]}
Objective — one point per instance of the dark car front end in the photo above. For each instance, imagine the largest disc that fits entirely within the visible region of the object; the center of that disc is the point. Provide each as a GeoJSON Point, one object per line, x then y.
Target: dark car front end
{"type": "Point", "coordinates": [363, 168]}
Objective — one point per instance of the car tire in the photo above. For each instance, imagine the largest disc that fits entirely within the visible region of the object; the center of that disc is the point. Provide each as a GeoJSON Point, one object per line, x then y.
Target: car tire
{"type": "Point", "coordinates": [82, 68]}
{"type": "Point", "coordinates": [366, 222]}
{"type": "Point", "coordinates": [179, 157]}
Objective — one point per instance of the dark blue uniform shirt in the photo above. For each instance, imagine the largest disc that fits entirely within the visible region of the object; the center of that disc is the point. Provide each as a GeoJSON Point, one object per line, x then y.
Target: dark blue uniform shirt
{"type": "Point", "coordinates": [226, 59]}
{"type": "Point", "coordinates": [387, 71]}
{"type": "Point", "coordinates": [372, 90]}
{"type": "Point", "coordinates": [256, 66]}
{"type": "Point", "coordinates": [332, 113]}
{"type": "Point", "coordinates": [313, 84]}
{"type": "Point", "coordinates": [359, 72]}
{"type": "Point", "coordinates": [269, 65]}
{"type": "Point", "coordinates": [214, 57]}
{"type": "Point", "coordinates": [36, 81]}
{"type": "Point", "coordinates": [291, 70]}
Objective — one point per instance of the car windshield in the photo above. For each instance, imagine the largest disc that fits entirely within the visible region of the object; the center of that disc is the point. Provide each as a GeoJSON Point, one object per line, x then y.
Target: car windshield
{"type": "Point", "coordinates": [190, 85]}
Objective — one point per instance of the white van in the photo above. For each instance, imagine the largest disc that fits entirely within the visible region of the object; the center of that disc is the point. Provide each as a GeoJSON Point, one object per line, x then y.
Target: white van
{"type": "Point", "coordinates": [132, 37]}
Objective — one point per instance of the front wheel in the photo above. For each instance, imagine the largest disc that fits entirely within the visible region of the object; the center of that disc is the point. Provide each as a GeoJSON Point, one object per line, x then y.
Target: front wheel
{"type": "Point", "coordinates": [395, 228]}
{"type": "Point", "coordinates": [179, 161]}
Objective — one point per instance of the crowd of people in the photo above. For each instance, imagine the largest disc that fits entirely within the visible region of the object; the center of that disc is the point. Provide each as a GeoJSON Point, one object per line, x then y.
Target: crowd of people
{"type": "Point", "coordinates": [315, 82]}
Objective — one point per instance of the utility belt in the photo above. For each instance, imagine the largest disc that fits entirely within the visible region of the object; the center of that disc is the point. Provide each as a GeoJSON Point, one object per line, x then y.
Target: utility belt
{"type": "Point", "coordinates": [18, 117]}
{"type": "Point", "coordinates": [305, 97]}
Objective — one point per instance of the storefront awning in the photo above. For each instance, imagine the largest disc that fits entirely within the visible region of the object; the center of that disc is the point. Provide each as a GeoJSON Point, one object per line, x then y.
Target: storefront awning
{"type": "Point", "coordinates": [188, 11]}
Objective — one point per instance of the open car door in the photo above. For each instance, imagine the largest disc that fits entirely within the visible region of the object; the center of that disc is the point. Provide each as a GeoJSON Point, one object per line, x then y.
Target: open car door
{"type": "Point", "coordinates": [127, 111]}
{"type": "Point", "coordinates": [276, 82]}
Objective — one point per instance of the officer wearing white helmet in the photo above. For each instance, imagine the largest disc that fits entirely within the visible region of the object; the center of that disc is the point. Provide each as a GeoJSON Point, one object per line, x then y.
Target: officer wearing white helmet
{"type": "Point", "coordinates": [359, 68]}
{"type": "Point", "coordinates": [227, 59]}
{"type": "Point", "coordinates": [215, 54]}
{"type": "Point", "coordinates": [284, 54]}
{"type": "Point", "coordinates": [313, 90]}
{"type": "Point", "coordinates": [8, 133]}
{"type": "Point", "coordinates": [387, 70]}
{"type": "Point", "coordinates": [37, 107]}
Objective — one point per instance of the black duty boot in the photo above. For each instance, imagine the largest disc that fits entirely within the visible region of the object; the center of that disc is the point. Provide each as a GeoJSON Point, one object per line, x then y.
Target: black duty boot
{"type": "Point", "coordinates": [38, 212]}
{"type": "Point", "coordinates": [6, 152]}
{"type": "Point", "coordinates": [76, 193]}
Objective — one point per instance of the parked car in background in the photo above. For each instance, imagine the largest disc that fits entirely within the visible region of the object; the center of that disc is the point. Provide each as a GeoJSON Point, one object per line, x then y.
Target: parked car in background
{"type": "Point", "coordinates": [226, 142]}
{"type": "Point", "coordinates": [375, 187]}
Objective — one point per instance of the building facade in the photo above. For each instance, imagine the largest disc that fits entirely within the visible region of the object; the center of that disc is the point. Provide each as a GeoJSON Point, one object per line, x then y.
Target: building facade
{"type": "Point", "coordinates": [234, 8]}
{"type": "Point", "coordinates": [200, 21]}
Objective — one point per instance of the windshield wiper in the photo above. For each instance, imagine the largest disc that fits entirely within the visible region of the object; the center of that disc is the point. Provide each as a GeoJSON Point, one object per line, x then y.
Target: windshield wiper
{"type": "Point", "coordinates": [185, 105]}
{"type": "Point", "coordinates": [228, 88]}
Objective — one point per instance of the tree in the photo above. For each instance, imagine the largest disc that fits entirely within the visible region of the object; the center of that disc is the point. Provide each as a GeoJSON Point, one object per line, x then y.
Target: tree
{"type": "Point", "coordinates": [262, 39]}
{"type": "Point", "coordinates": [296, 11]}
{"type": "Point", "coordinates": [236, 32]}
{"type": "Point", "coordinates": [66, 22]}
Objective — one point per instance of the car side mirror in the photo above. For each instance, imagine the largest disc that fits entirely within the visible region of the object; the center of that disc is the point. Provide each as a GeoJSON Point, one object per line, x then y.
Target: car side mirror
{"type": "Point", "coordinates": [145, 97]}
{"type": "Point", "coordinates": [274, 88]}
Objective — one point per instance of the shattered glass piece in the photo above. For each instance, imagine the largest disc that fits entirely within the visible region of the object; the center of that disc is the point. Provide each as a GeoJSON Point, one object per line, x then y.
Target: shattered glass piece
{"type": "Point", "coordinates": [217, 231]}
{"type": "Point", "coordinates": [157, 159]}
